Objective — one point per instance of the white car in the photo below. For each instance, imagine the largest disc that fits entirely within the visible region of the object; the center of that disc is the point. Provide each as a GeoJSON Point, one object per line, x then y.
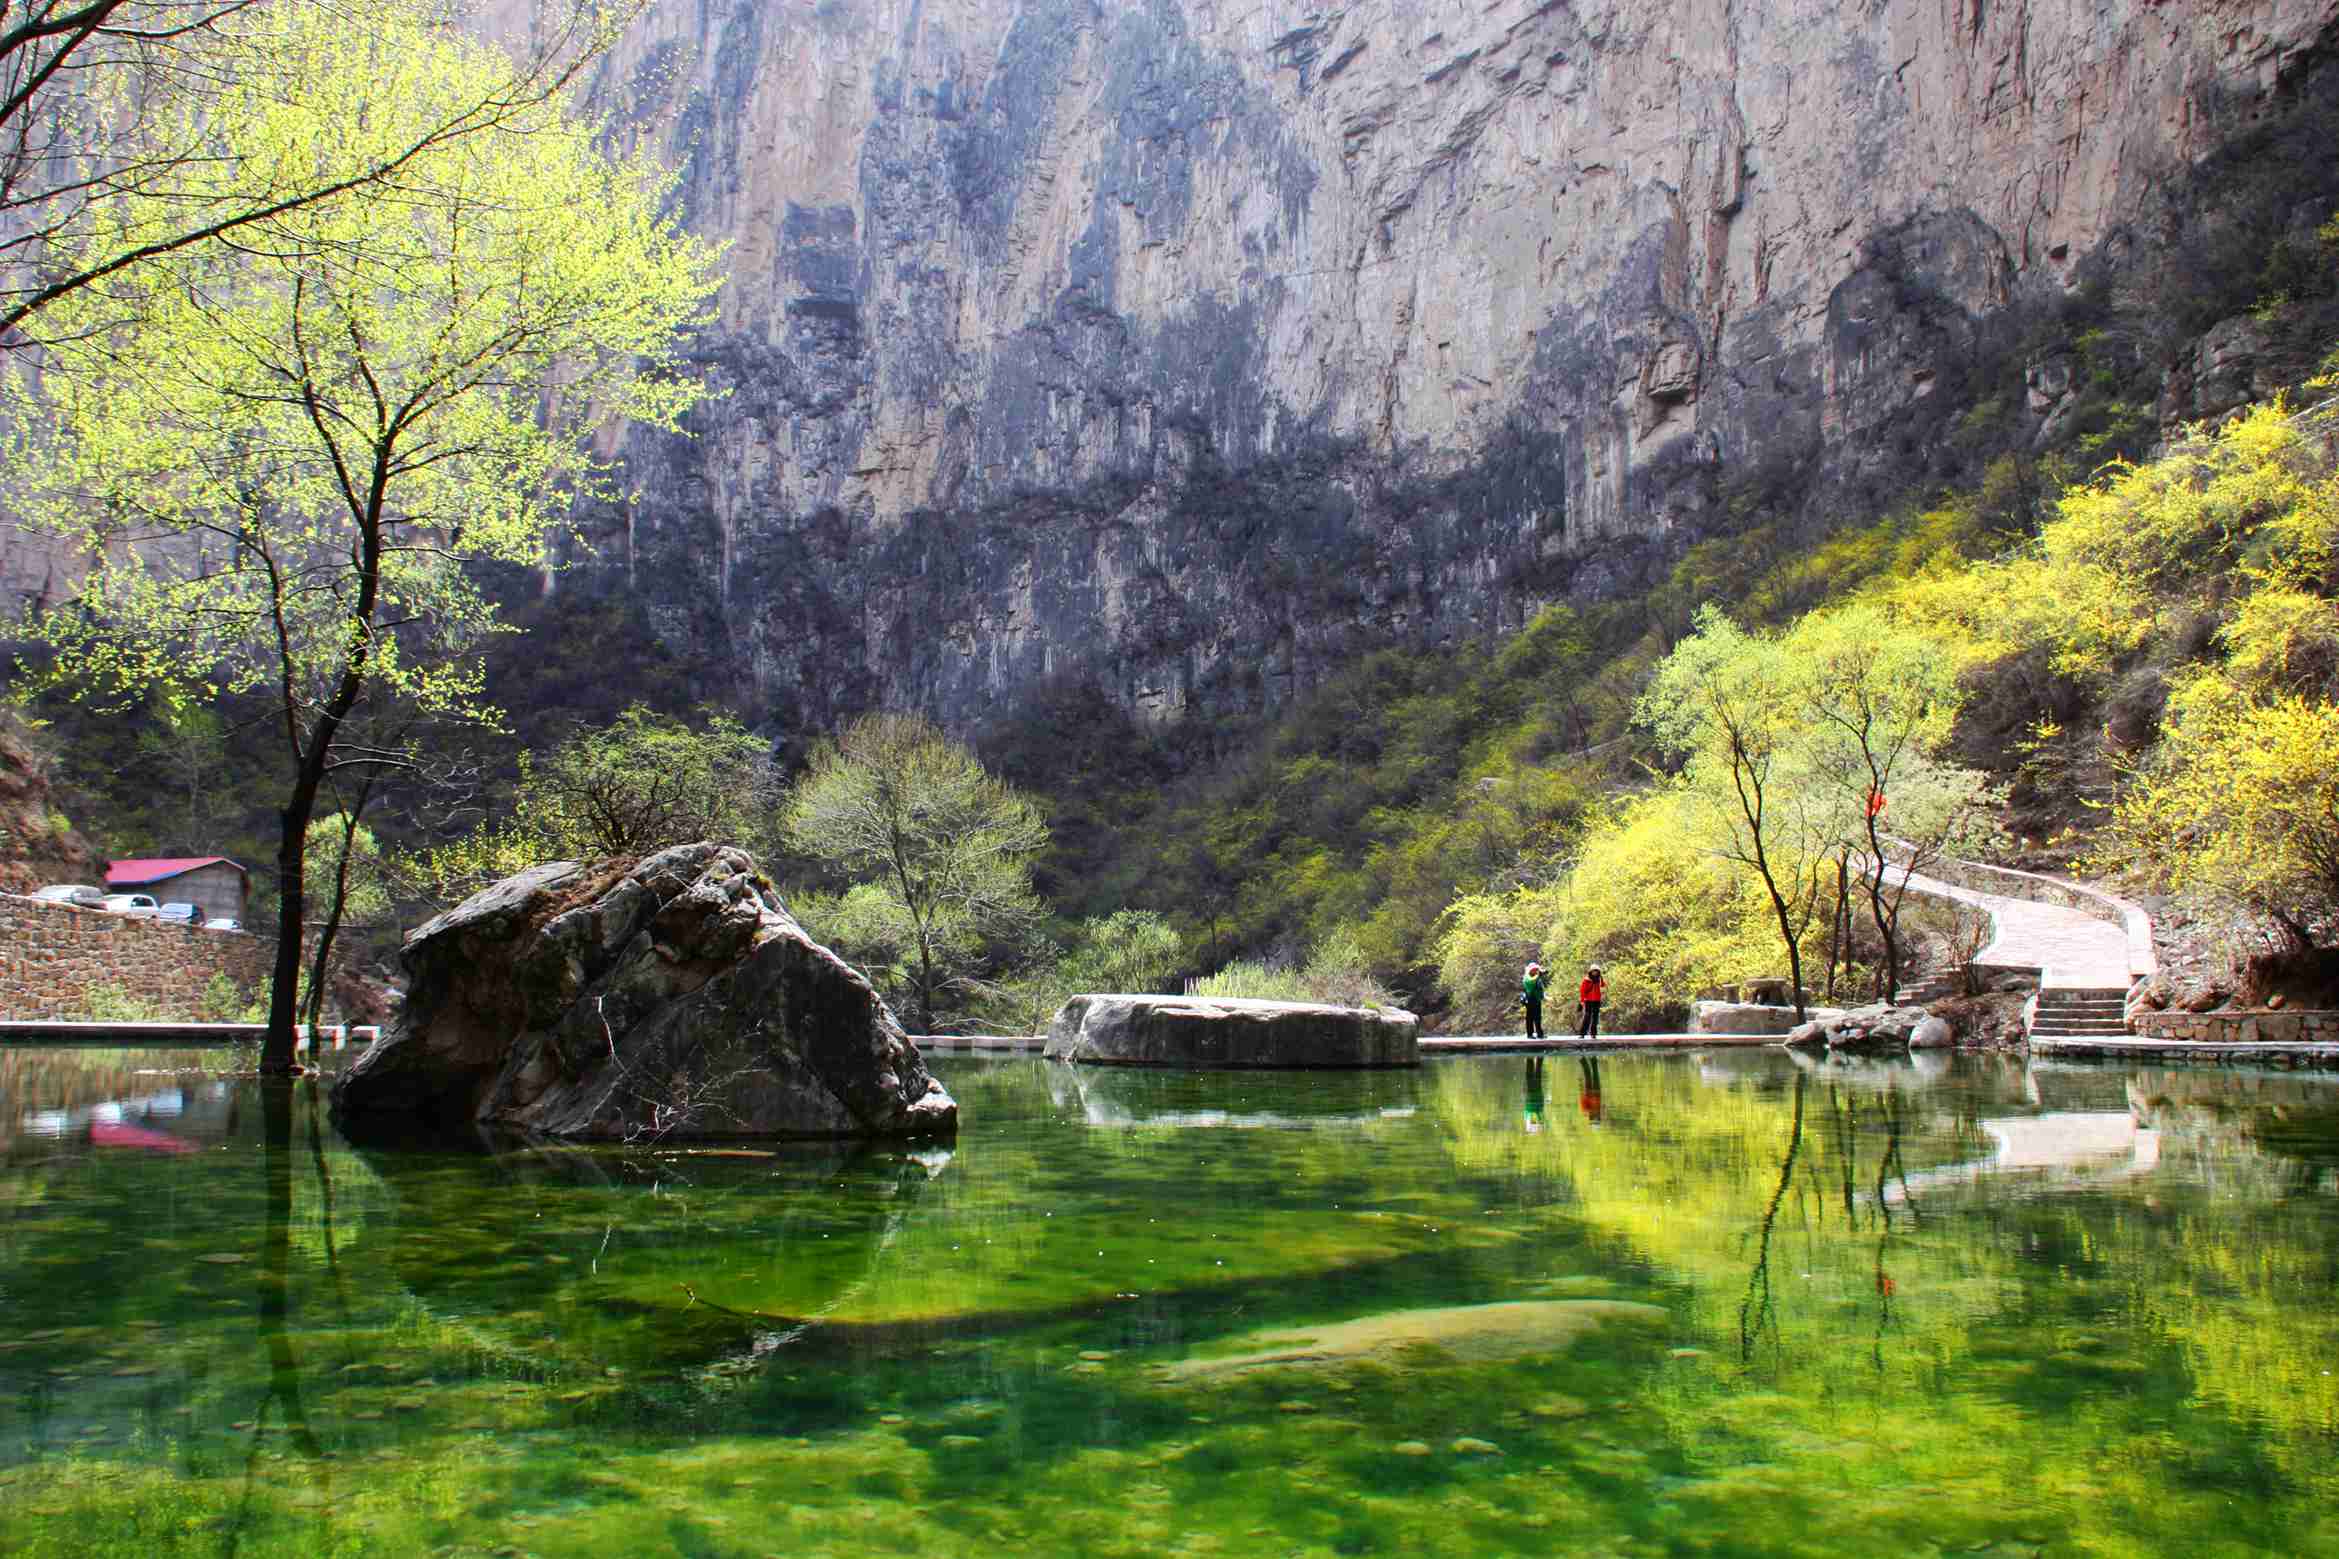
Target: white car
{"type": "Point", "coordinates": [131, 903]}
{"type": "Point", "coordinates": [222, 923]}
{"type": "Point", "coordinates": [74, 893]}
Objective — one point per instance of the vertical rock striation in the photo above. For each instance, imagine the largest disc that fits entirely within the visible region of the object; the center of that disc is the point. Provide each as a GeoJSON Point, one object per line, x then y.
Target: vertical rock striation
{"type": "Point", "coordinates": [1186, 346]}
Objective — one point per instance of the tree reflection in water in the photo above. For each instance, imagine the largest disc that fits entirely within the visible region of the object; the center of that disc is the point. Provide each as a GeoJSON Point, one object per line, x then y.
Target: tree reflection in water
{"type": "Point", "coordinates": [283, 1389]}
{"type": "Point", "coordinates": [1757, 1312]}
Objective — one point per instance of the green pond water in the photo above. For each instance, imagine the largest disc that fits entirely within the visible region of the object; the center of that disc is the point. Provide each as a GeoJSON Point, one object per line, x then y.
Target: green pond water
{"type": "Point", "coordinates": [1741, 1307]}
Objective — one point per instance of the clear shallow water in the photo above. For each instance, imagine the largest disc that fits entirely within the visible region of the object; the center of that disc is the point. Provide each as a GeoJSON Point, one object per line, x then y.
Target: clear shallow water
{"type": "Point", "coordinates": [1973, 1309]}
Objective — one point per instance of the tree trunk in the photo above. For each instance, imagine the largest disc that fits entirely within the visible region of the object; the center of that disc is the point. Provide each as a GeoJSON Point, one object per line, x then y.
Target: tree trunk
{"type": "Point", "coordinates": [276, 1051]}
{"type": "Point", "coordinates": [1751, 807]}
{"type": "Point", "coordinates": [1839, 923]}
{"type": "Point", "coordinates": [925, 987]}
{"type": "Point", "coordinates": [1887, 925]}
{"type": "Point", "coordinates": [322, 959]}
{"type": "Point", "coordinates": [312, 759]}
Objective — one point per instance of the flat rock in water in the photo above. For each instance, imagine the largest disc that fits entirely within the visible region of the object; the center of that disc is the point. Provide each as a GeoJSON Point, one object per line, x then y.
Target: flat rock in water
{"type": "Point", "coordinates": [669, 998]}
{"type": "Point", "coordinates": [1478, 1334]}
{"type": "Point", "coordinates": [1226, 1032]}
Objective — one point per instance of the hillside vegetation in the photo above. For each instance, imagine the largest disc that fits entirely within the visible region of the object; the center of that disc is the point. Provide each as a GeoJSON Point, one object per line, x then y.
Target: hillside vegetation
{"type": "Point", "coordinates": [2141, 686]}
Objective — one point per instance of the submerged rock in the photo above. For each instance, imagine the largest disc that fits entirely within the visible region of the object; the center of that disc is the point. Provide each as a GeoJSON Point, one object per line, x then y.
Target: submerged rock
{"type": "Point", "coordinates": [673, 997]}
{"type": "Point", "coordinates": [1217, 1031]}
{"type": "Point", "coordinates": [1478, 1334]}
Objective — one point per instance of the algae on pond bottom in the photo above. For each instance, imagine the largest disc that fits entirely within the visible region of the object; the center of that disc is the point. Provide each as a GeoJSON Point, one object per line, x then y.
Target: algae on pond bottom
{"type": "Point", "coordinates": [1477, 1334]}
{"type": "Point", "coordinates": [1317, 1355]}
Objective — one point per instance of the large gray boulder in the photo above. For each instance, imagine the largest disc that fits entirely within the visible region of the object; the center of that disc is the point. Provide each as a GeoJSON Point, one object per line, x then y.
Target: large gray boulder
{"type": "Point", "coordinates": [625, 1001]}
{"type": "Point", "coordinates": [1738, 1017]}
{"type": "Point", "coordinates": [1216, 1031]}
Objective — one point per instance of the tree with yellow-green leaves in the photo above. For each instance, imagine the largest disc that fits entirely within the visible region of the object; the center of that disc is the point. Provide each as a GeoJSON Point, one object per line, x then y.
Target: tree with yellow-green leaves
{"type": "Point", "coordinates": [2235, 526]}
{"type": "Point", "coordinates": [1877, 703]}
{"type": "Point", "coordinates": [124, 127]}
{"type": "Point", "coordinates": [938, 852]}
{"type": "Point", "coordinates": [1733, 706]}
{"type": "Point", "coordinates": [280, 458]}
{"type": "Point", "coordinates": [2240, 803]}
{"type": "Point", "coordinates": [1809, 761]}
{"type": "Point", "coordinates": [1663, 916]}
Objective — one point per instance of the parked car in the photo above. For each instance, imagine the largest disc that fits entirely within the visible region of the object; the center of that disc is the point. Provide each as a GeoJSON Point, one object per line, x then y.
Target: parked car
{"type": "Point", "coordinates": [131, 903]}
{"type": "Point", "coordinates": [223, 923]}
{"type": "Point", "coordinates": [73, 893]}
{"type": "Point", "coordinates": [181, 911]}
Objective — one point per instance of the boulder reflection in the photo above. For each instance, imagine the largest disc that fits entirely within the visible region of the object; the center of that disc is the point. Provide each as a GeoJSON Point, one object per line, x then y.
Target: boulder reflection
{"type": "Point", "coordinates": [1145, 1096]}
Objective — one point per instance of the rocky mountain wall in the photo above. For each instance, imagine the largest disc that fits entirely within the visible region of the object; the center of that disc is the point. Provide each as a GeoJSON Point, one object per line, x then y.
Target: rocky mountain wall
{"type": "Point", "coordinates": [1187, 346]}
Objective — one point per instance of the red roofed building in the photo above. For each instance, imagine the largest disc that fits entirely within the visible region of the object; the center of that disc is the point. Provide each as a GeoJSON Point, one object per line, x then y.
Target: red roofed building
{"type": "Point", "coordinates": [212, 883]}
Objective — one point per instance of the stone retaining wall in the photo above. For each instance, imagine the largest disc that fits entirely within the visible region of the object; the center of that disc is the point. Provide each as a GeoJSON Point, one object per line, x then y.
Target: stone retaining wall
{"type": "Point", "coordinates": [2240, 1026]}
{"type": "Point", "coordinates": [52, 956]}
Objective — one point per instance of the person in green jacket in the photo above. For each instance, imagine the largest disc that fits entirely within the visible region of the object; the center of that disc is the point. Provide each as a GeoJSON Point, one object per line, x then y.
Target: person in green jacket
{"type": "Point", "coordinates": [1531, 988]}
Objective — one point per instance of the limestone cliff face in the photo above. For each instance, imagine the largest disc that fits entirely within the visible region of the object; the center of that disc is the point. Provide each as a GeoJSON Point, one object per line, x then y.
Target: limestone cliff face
{"type": "Point", "coordinates": [1187, 345]}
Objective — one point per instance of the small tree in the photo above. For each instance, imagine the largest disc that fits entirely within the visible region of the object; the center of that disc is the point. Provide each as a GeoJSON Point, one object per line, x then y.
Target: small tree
{"type": "Point", "coordinates": [1732, 704]}
{"type": "Point", "coordinates": [344, 863]}
{"type": "Point", "coordinates": [637, 785]}
{"type": "Point", "coordinates": [1876, 700]}
{"type": "Point", "coordinates": [281, 459]}
{"type": "Point", "coordinates": [648, 780]}
{"type": "Point", "coordinates": [944, 848]}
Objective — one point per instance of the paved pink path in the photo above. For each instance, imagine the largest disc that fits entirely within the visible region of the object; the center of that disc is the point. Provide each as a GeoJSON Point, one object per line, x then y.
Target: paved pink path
{"type": "Point", "coordinates": [2074, 949]}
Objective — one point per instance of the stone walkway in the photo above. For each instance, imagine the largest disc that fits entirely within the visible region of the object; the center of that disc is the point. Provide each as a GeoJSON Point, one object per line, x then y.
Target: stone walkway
{"type": "Point", "coordinates": [1568, 1044]}
{"type": "Point", "coordinates": [2069, 948]}
{"type": "Point", "coordinates": [68, 1031]}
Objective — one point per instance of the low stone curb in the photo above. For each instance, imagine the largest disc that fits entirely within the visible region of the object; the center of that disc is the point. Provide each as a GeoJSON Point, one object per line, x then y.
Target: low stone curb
{"type": "Point", "coordinates": [2296, 1057]}
{"type": "Point", "coordinates": [987, 1044]}
{"type": "Point", "coordinates": [1514, 1044]}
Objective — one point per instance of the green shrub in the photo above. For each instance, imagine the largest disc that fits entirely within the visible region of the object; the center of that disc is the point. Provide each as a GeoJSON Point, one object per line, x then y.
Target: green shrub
{"type": "Point", "coordinates": [224, 1001]}
{"type": "Point", "coordinates": [111, 1003]}
{"type": "Point", "coordinates": [1336, 972]}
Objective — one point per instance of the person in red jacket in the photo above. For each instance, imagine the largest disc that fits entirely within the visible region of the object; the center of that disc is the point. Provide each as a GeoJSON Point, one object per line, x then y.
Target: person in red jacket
{"type": "Point", "coordinates": [1589, 995]}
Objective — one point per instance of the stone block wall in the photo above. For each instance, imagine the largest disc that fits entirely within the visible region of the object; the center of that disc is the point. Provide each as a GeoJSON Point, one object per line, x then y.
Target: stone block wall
{"type": "Point", "coordinates": [2241, 1026]}
{"type": "Point", "coordinates": [53, 955]}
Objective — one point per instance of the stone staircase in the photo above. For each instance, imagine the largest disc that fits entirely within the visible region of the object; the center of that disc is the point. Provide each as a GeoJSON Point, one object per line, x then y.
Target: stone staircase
{"type": "Point", "coordinates": [2080, 1012]}
{"type": "Point", "coordinates": [1933, 987]}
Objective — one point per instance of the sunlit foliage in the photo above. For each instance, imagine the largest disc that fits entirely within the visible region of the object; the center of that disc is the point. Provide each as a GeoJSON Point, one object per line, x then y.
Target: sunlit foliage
{"type": "Point", "coordinates": [281, 460]}
{"type": "Point", "coordinates": [938, 852]}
